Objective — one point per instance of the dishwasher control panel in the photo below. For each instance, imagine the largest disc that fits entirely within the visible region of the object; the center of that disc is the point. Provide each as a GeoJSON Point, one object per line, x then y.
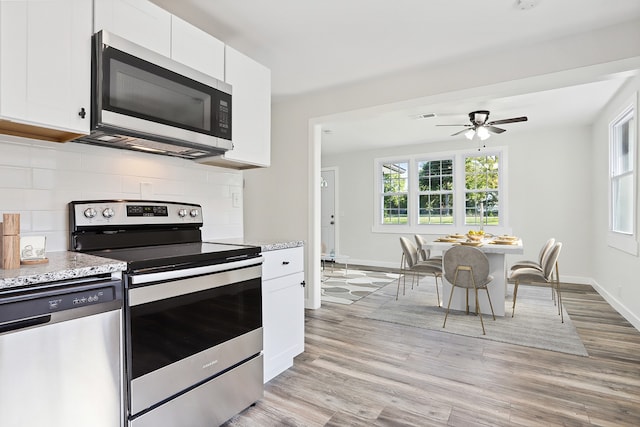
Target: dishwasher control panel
{"type": "Point", "coordinates": [29, 304]}
{"type": "Point", "coordinates": [77, 299]}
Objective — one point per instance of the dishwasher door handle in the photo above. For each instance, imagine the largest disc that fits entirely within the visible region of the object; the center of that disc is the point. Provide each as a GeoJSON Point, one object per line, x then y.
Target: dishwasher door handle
{"type": "Point", "coordinates": [26, 323]}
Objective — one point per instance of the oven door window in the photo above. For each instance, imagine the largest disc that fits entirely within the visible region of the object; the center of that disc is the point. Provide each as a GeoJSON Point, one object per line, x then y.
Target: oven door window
{"type": "Point", "coordinates": [169, 330]}
{"type": "Point", "coordinates": [137, 88]}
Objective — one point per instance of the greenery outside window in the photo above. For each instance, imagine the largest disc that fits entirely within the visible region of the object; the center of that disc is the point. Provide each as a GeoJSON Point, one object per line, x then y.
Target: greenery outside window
{"type": "Point", "coordinates": [622, 179]}
{"type": "Point", "coordinates": [435, 192]}
{"type": "Point", "coordinates": [395, 186]}
{"type": "Point", "coordinates": [482, 191]}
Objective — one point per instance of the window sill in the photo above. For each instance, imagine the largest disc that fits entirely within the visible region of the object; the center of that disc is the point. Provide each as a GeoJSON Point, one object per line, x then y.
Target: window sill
{"type": "Point", "coordinates": [432, 229]}
{"type": "Point", "coordinates": [623, 242]}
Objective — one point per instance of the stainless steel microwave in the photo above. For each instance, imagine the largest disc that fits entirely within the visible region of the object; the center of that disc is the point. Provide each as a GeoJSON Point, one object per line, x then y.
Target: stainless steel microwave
{"type": "Point", "coordinates": [144, 101]}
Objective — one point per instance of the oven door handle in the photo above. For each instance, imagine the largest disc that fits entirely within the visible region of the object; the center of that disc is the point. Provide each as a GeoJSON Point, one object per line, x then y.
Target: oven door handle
{"type": "Point", "coordinates": [195, 271]}
{"type": "Point", "coordinates": [193, 280]}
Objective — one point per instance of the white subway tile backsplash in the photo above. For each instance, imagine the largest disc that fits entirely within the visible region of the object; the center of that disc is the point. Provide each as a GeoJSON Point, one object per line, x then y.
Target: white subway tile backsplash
{"type": "Point", "coordinates": [12, 199]}
{"type": "Point", "coordinates": [15, 177]}
{"type": "Point", "coordinates": [14, 153]}
{"type": "Point", "coordinates": [49, 221]}
{"type": "Point", "coordinates": [71, 179]}
{"type": "Point", "coordinates": [224, 178]}
{"type": "Point", "coordinates": [56, 242]}
{"type": "Point", "coordinates": [44, 179]}
{"type": "Point", "coordinates": [40, 200]}
{"type": "Point", "coordinates": [43, 158]}
{"type": "Point", "coordinates": [227, 232]}
{"type": "Point", "coordinates": [39, 179]}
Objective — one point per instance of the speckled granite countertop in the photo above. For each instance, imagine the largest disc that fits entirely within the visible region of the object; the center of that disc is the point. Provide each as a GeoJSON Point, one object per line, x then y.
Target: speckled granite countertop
{"type": "Point", "coordinates": [264, 245]}
{"type": "Point", "coordinates": [61, 266]}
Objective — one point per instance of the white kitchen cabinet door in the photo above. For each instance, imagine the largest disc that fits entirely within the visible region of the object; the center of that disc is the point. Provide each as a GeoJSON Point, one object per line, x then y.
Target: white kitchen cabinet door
{"type": "Point", "coordinates": [282, 309]}
{"type": "Point", "coordinates": [138, 21]}
{"type": "Point", "coordinates": [199, 50]}
{"type": "Point", "coordinates": [45, 65]}
{"type": "Point", "coordinates": [251, 109]}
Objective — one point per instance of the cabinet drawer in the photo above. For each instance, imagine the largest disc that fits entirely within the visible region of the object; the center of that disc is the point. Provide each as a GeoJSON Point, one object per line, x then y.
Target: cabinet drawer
{"type": "Point", "coordinates": [282, 262]}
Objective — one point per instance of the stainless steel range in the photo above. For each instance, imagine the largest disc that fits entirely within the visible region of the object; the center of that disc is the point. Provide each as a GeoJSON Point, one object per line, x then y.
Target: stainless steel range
{"type": "Point", "coordinates": [193, 311]}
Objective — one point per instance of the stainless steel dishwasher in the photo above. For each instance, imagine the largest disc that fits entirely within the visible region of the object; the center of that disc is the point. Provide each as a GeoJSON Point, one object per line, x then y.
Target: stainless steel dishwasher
{"type": "Point", "coordinates": [60, 354]}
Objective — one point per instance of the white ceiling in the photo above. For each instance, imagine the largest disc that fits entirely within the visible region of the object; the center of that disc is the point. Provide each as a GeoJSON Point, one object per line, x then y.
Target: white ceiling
{"type": "Point", "coordinates": [314, 45]}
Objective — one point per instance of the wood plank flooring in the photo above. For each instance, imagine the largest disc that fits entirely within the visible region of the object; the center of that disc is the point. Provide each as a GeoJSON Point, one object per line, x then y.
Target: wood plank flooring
{"type": "Point", "coordinates": [362, 372]}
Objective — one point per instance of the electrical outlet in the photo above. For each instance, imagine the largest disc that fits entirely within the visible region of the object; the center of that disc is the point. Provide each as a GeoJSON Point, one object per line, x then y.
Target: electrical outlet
{"type": "Point", "coordinates": [236, 200]}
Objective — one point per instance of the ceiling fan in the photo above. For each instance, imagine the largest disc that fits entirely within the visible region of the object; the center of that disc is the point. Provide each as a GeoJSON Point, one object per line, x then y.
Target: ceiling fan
{"type": "Point", "coordinates": [481, 127]}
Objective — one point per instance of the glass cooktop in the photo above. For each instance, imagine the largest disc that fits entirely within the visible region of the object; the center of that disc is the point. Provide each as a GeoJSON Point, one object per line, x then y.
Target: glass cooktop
{"type": "Point", "coordinates": [183, 254]}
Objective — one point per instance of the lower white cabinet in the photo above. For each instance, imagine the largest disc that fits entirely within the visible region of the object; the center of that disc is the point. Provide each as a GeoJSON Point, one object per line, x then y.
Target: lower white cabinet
{"type": "Point", "coordinates": [282, 309]}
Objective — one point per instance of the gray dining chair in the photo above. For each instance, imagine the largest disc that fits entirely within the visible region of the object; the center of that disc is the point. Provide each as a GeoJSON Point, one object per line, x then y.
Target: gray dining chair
{"type": "Point", "coordinates": [548, 275]}
{"type": "Point", "coordinates": [467, 267]}
{"type": "Point", "coordinates": [410, 264]}
{"type": "Point", "coordinates": [535, 264]}
{"type": "Point", "coordinates": [425, 254]}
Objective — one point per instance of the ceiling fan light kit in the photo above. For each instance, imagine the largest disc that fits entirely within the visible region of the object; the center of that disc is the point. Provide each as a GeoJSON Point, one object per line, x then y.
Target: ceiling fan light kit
{"type": "Point", "coordinates": [481, 132]}
{"type": "Point", "coordinates": [481, 127]}
{"type": "Point", "coordinates": [479, 117]}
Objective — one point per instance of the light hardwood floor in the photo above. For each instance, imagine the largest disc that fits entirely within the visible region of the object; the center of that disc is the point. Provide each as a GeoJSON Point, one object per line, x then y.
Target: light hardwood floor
{"type": "Point", "coordinates": [361, 372]}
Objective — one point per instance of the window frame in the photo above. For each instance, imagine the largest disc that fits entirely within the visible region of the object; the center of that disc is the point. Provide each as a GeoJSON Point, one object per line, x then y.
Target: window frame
{"type": "Point", "coordinates": [624, 241]}
{"type": "Point", "coordinates": [459, 191]}
{"type": "Point", "coordinates": [383, 194]}
{"type": "Point", "coordinates": [439, 193]}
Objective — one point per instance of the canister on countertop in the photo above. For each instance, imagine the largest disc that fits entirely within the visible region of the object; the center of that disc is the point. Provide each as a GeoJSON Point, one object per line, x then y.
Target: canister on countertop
{"type": "Point", "coordinates": [10, 241]}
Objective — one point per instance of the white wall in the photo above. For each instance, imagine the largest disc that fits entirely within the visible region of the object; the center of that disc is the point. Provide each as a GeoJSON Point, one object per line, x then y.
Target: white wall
{"type": "Point", "coordinates": [548, 195]}
{"type": "Point", "coordinates": [38, 179]}
{"type": "Point", "coordinates": [284, 198]}
{"type": "Point", "coordinates": [616, 274]}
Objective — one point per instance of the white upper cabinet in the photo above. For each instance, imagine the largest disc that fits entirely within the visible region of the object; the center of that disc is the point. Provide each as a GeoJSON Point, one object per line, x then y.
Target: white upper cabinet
{"type": "Point", "coordinates": [45, 68]}
{"type": "Point", "coordinates": [251, 109]}
{"type": "Point", "coordinates": [150, 26]}
{"type": "Point", "coordinates": [199, 50]}
{"type": "Point", "coordinates": [138, 21]}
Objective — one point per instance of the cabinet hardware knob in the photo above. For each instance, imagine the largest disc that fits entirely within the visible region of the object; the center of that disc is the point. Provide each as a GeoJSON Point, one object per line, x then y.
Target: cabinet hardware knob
{"type": "Point", "coordinates": [303, 284]}
{"type": "Point", "coordinates": [82, 113]}
{"type": "Point", "coordinates": [285, 262]}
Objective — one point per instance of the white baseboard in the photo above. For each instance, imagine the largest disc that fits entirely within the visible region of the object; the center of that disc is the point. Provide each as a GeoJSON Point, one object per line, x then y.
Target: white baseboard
{"type": "Point", "coordinates": [580, 280]}
{"type": "Point", "coordinates": [617, 305]}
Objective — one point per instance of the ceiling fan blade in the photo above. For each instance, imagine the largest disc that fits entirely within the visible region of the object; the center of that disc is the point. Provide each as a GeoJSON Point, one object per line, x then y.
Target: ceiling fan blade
{"type": "Point", "coordinates": [462, 131]}
{"type": "Point", "coordinates": [494, 129]}
{"type": "Point", "coordinates": [454, 125]}
{"type": "Point", "coordinates": [512, 120]}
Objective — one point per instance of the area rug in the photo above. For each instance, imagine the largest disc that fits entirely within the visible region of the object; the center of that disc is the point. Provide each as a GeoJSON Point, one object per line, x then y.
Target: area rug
{"type": "Point", "coordinates": [536, 322]}
{"type": "Point", "coordinates": [347, 286]}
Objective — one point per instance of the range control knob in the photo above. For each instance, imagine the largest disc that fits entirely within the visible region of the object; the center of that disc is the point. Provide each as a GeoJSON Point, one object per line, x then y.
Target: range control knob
{"type": "Point", "coordinates": [90, 213]}
{"type": "Point", "coordinates": [182, 213]}
{"type": "Point", "coordinates": [194, 213]}
{"type": "Point", "coordinates": [108, 213]}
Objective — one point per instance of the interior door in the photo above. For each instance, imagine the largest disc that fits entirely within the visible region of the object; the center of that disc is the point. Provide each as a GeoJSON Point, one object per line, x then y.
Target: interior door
{"type": "Point", "coordinates": [327, 209]}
